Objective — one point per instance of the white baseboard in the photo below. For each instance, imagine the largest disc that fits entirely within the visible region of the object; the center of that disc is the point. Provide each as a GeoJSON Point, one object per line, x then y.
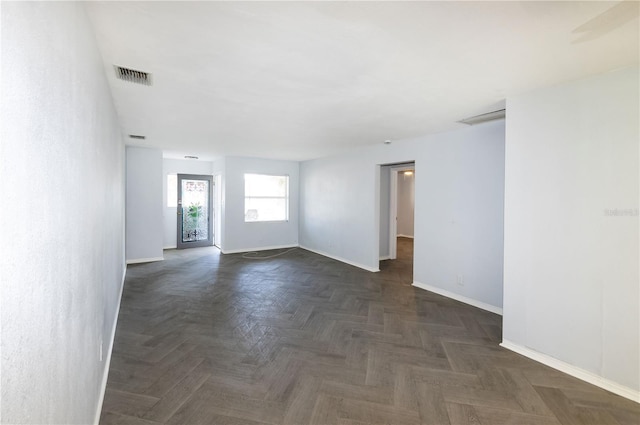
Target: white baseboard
{"type": "Point", "coordinates": [458, 297]}
{"type": "Point", "coordinates": [351, 263]}
{"type": "Point", "coordinates": [107, 364]}
{"type": "Point", "coordinates": [262, 248]}
{"type": "Point", "coordinates": [385, 257]}
{"type": "Point", "coordinates": [170, 247]}
{"type": "Point", "coordinates": [574, 371]}
{"type": "Point", "coordinates": [404, 236]}
{"type": "Point", "coordinates": [144, 260]}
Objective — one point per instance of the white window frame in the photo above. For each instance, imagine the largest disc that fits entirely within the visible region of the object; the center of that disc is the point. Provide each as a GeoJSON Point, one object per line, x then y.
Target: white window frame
{"type": "Point", "coordinates": [286, 198]}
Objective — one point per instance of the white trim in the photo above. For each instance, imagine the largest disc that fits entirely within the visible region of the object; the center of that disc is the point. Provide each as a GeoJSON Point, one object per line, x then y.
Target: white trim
{"type": "Point", "coordinates": [170, 247]}
{"type": "Point", "coordinates": [384, 257]}
{"type": "Point", "coordinates": [342, 260]}
{"type": "Point", "coordinates": [262, 248]}
{"type": "Point", "coordinates": [144, 260]}
{"type": "Point", "coordinates": [404, 236]}
{"type": "Point", "coordinates": [576, 372]}
{"type": "Point", "coordinates": [107, 364]}
{"type": "Point", "coordinates": [458, 297]}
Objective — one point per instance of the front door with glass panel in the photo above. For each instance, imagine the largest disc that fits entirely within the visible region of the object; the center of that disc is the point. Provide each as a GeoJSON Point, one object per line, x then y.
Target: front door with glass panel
{"type": "Point", "coordinates": [195, 212]}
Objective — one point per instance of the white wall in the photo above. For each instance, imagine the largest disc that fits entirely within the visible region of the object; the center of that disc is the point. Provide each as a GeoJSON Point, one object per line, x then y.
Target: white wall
{"type": "Point", "coordinates": [240, 236]}
{"type": "Point", "coordinates": [62, 185]}
{"type": "Point", "coordinates": [169, 214]}
{"type": "Point", "coordinates": [571, 270]}
{"type": "Point", "coordinates": [405, 204]}
{"type": "Point", "coordinates": [338, 208]}
{"type": "Point", "coordinates": [144, 205]}
{"type": "Point", "coordinates": [458, 207]}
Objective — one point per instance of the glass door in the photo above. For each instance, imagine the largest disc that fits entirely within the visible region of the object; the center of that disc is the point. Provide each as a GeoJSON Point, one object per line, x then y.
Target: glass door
{"type": "Point", "coordinates": [195, 211]}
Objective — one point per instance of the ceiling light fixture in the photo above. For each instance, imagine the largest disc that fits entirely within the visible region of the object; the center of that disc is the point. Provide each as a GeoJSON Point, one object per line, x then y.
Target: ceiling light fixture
{"type": "Point", "coordinates": [490, 116]}
{"type": "Point", "coordinates": [387, 142]}
{"type": "Point", "coordinates": [408, 173]}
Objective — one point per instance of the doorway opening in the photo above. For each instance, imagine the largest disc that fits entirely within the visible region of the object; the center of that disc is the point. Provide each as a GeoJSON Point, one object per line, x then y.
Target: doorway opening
{"type": "Point", "coordinates": [195, 211]}
{"type": "Point", "coordinates": [397, 200]}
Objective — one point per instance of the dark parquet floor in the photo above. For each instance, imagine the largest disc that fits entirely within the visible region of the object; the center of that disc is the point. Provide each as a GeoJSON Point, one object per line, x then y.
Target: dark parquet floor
{"type": "Point", "coordinates": [204, 338]}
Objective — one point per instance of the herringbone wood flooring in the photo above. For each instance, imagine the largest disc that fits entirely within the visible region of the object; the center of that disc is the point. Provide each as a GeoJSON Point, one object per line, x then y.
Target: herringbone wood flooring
{"type": "Point", "coordinates": [204, 338]}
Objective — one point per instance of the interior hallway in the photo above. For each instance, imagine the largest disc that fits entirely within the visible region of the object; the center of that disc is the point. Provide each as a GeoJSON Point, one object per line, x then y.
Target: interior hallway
{"type": "Point", "coordinates": [401, 268]}
{"type": "Point", "coordinates": [205, 338]}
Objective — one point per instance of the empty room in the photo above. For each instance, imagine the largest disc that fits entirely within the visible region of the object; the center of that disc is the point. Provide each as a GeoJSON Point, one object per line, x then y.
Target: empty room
{"type": "Point", "coordinates": [320, 212]}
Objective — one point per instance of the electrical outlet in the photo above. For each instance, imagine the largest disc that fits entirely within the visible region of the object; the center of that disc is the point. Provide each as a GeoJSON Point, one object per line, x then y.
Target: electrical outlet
{"type": "Point", "coordinates": [460, 280]}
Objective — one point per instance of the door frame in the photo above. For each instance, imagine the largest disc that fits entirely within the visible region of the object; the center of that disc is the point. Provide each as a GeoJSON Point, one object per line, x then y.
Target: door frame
{"type": "Point", "coordinates": [209, 240]}
{"type": "Point", "coordinates": [393, 206]}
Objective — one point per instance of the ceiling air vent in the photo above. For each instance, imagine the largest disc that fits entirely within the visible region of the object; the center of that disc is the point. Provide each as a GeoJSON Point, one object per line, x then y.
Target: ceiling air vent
{"type": "Point", "coordinates": [491, 116]}
{"type": "Point", "coordinates": [133, 76]}
{"type": "Point", "coordinates": [137, 136]}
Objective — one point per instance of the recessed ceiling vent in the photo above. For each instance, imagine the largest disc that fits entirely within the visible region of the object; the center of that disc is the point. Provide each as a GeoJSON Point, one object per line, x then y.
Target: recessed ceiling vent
{"type": "Point", "coordinates": [190, 157]}
{"type": "Point", "coordinates": [491, 116]}
{"type": "Point", "coordinates": [133, 76]}
{"type": "Point", "coordinates": [137, 136]}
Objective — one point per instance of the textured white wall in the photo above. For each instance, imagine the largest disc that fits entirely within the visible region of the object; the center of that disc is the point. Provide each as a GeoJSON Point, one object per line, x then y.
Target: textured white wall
{"type": "Point", "coordinates": [144, 205]}
{"type": "Point", "coordinates": [459, 191]}
{"type": "Point", "coordinates": [169, 214]}
{"type": "Point", "coordinates": [571, 270]}
{"type": "Point", "coordinates": [241, 236]}
{"type": "Point", "coordinates": [405, 204]}
{"type": "Point", "coordinates": [62, 185]}
{"type": "Point", "coordinates": [338, 209]}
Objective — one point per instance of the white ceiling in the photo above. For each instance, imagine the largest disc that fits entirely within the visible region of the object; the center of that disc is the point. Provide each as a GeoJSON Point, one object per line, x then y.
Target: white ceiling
{"type": "Point", "coordinates": [300, 80]}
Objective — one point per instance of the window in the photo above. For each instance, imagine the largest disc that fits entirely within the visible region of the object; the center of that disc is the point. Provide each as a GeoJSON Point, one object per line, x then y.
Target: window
{"type": "Point", "coordinates": [172, 190]}
{"type": "Point", "coordinates": [266, 198]}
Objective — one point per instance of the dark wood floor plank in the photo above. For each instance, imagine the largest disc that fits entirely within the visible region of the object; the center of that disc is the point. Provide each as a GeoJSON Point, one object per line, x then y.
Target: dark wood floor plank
{"type": "Point", "coordinates": [493, 416]}
{"type": "Point", "coordinates": [341, 390]}
{"type": "Point", "coordinates": [168, 378]}
{"type": "Point", "coordinates": [568, 413]}
{"type": "Point", "coordinates": [404, 391]}
{"type": "Point", "coordinates": [325, 410]}
{"type": "Point", "coordinates": [109, 418]}
{"type": "Point", "coordinates": [481, 397]}
{"type": "Point", "coordinates": [178, 394]}
{"type": "Point", "coordinates": [431, 404]}
{"type": "Point", "coordinates": [625, 417]}
{"type": "Point", "coordinates": [517, 384]}
{"type": "Point", "coordinates": [126, 403]}
{"type": "Point", "coordinates": [303, 401]}
{"type": "Point", "coordinates": [208, 401]}
{"type": "Point", "coordinates": [205, 338]}
{"type": "Point", "coordinates": [598, 398]}
{"type": "Point", "coordinates": [445, 377]}
{"type": "Point", "coordinates": [374, 413]}
{"type": "Point", "coordinates": [462, 414]}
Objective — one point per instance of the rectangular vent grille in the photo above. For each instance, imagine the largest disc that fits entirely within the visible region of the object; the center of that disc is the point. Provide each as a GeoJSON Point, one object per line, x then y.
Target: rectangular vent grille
{"type": "Point", "coordinates": [133, 76]}
{"type": "Point", "coordinates": [490, 116]}
{"type": "Point", "coordinates": [136, 136]}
